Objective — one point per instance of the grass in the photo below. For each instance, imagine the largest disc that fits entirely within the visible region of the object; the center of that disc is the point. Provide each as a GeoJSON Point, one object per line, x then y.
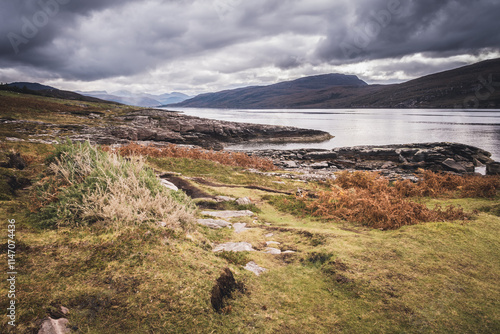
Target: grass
{"type": "Point", "coordinates": [435, 277]}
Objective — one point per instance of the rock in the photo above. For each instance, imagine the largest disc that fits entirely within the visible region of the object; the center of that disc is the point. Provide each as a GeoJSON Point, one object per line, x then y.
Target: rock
{"type": "Point", "coordinates": [253, 267]}
{"type": "Point", "coordinates": [234, 247]}
{"type": "Point", "coordinates": [269, 235]}
{"type": "Point", "coordinates": [52, 326]}
{"type": "Point", "coordinates": [288, 252]}
{"type": "Point", "coordinates": [243, 201]}
{"type": "Point", "coordinates": [169, 185]}
{"type": "Point", "coordinates": [454, 166]}
{"type": "Point", "coordinates": [240, 227]}
{"type": "Point", "coordinates": [320, 165]}
{"type": "Point", "coordinates": [214, 223]}
{"type": "Point", "coordinates": [493, 168]}
{"type": "Point", "coordinates": [274, 251]}
{"type": "Point", "coordinates": [290, 164]}
{"type": "Point", "coordinates": [224, 199]}
{"type": "Point", "coordinates": [272, 243]}
{"type": "Point", "coordinates": [228, 214]}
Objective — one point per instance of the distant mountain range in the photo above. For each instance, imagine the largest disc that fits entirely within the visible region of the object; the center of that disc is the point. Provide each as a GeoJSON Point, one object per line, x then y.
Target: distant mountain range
{"type": "Point", "coordinates": [473, 86]}
{"type": "Point", "coordinates": [141, 99]}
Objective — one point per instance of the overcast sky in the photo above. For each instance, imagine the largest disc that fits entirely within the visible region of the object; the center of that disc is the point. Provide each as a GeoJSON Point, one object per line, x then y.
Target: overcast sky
{"type": "Point", "coordinates": [196, 46]}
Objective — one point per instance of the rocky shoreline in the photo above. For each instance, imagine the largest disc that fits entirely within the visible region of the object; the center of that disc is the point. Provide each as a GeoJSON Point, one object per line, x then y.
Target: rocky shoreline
{"type": "Point", "coordinates": [160, 126]}
{"type": "Point", "coordinates": [390, 160]}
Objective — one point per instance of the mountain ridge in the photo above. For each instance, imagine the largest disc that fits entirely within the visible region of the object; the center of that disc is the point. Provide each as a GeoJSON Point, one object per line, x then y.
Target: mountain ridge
{"type": "Point", "coordinates": [471, 86]}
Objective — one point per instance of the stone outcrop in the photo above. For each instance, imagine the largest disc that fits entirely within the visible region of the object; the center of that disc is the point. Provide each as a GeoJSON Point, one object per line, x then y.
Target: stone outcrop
{"type": "Point", "coordinates": [452, 157]}
{"type": "Point", "coordinates": [166, 126]}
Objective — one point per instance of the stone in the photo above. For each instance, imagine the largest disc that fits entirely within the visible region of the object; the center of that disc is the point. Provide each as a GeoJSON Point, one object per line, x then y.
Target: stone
{"type": "Point", "coordinates": [269, 235]}
{"type": "Point", "coordinates": [493, 168]}
{"type": "Point", "coordinates": [320, 165]}
{"type": "Point", "coordinates": [224, 199]}
{"type": "Point", "coordinates": [240, 227]}
{"type": "Point", "coordinates": [243, 201]}
{"type": "Point", "coordinates": [234, 247]}
{"type": "Point", "coordinates": [228, 214]}
{"type": "Point", "coordinates": [272, 243]}
{"type": "Point", "coordinates": [214, 223]}
{"type": "Point", "coordinates": [288, 252]}
{"type": "Point", "coordinates": [290, 164]}
{"type": "Point", "coordinates": [52, 326]}
{"type": "Point", "coordinates": [253, 267]}
{"type": "Point", "coordinates": [274, 251]}
{"type": "Point", "coordinates": [169, 185]}
{"type": "Point", "coordinates": [454, 166]}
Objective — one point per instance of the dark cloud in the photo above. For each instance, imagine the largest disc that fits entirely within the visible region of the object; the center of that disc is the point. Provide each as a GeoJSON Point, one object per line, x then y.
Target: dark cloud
{"type": "Point", "coordinates": [224, 40]}
{"type": "Point", "coordinates": [396, 28]}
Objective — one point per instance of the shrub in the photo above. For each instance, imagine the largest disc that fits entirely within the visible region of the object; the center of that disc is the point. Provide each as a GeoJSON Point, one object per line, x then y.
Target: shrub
{"type": "Point", "coordinates": [85, 185]}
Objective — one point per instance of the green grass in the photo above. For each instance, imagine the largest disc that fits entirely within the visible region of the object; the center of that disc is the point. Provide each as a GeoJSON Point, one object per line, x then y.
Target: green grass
{"type": "Point", "coordinates": [344, 278]}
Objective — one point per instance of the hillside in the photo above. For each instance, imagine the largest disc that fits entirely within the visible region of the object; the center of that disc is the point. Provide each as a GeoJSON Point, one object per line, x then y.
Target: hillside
{"type": "Point", "coordinates": [473, 86]}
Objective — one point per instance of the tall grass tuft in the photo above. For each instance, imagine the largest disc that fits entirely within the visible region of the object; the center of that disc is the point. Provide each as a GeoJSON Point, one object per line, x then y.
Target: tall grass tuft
{"type": "Point", "coordinates": [85, 185]}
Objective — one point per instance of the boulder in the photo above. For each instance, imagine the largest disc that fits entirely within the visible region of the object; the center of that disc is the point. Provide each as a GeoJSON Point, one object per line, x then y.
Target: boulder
{"type": "Point", "coordinates": [240, 227]}
{"type": "Point", "coordinates": [274, 251]}
{"type": "Point", "coordinates": [493, 168]}
{"type": "Point", "coordinates": [214, 223]}
{"type": "Point", "coordinates": [53, 326]}
{"type": "Point", "coordinates": [453, 166]}
{"type": "Point", "coordinates": [243, 201]}
{"type": "Point", "coordinates": [228, 214]}
{"type": "Point", "coordinates": [253, 267]}
{"type": "Point", "coordinates": [234, 247]}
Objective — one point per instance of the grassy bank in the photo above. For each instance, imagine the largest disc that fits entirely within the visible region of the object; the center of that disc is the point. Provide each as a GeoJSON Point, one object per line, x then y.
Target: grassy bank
{"type": "Point", "coordinates": [132, 275]}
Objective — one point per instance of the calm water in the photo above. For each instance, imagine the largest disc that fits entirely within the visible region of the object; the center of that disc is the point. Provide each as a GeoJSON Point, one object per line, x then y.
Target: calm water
{"type": "Point", "coordinates": [480, 128]}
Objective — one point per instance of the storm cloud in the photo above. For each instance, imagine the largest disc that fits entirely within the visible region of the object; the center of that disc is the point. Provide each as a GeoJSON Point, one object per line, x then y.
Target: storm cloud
{"type": "Point", "coordinates": [207, 45]}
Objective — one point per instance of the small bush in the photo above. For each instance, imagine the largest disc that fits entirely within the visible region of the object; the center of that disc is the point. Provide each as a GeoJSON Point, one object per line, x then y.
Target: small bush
{"type": "Point", "coordinates": [238, 159]}
{"type": "Point", "coordinates": [85, 185]}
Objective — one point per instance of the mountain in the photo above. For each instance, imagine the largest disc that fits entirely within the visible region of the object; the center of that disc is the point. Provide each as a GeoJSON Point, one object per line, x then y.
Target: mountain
{"type": "Point", "coordinates": [47, 91]}
{"type": "Point", "coordinates": [140, 99]}
{"type": "Point", "coordinates": [279, 95]}
{"type": "Point", "coordinates": [473, 86]}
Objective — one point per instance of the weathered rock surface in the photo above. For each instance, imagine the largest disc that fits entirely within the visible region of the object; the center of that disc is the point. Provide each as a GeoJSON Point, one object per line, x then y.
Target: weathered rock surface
{"type": "Point", "coordinates": [493, 168]}
{"type": "Point", "coordinates": [214, 223]}
{"type": "Point", "coordinates": [155, 125]}
{"type": "Point", "coordinates": [399, 159]}
{"type": "Point", "coordinates": [253, 267]}
{"type": "Point", "coordinates": [240, 227]}
{"type": "Point", "coordinates": [228, 214]}
{"type": "Point", "coordinates": [53, 326]}
{"type": "Point", "coordinates": [234, 247]}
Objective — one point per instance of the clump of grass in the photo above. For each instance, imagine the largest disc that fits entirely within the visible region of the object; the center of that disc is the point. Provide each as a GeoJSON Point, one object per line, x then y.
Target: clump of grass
{"type": "Point", "coordinates": [85, 185]}
{"type": "Point", "coordinates": [237, 159]}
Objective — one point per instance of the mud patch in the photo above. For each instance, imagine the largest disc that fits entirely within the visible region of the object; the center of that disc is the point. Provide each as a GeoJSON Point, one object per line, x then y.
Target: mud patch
{"type": "Point", "coordinates": [223, 290]}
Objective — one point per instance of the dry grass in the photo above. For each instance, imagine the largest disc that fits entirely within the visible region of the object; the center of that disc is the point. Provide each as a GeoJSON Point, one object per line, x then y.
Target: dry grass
{"type": "Point", "coordinates": [85, 185]}
{"type": "Point", "coordinates": [369, 199]}
{"type": "Point", "coordinates": [237, 159]}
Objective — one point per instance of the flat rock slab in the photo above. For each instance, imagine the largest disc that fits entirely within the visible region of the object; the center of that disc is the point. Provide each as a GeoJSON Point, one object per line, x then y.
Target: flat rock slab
{"type": "Point", "coordinates": [253, 267]}
{"type": "Point", "coordinates": [53, 326]}
{"type": "Point", "coordinates": [169, 185]}
{"type": "Point", "coordinates": [228, 214]}
{"type": "Point", "coordinates": [240, 227]}
{"type": "Point", "coordinates": [272, 243]}
{"type": "Point", "coordinates": [274, 251]}
{"type": "Point", "coordinates": [234, 247]}
{"type": "Point", "coordinates": [214, 223]}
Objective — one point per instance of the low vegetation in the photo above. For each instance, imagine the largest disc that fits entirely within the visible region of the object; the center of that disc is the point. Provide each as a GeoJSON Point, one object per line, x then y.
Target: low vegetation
{"type": "Point", "coordinates": [238, 159]}
{"type": "Point", "coordinates": [121, 272]}
{"type": "Point", "coordinates": [84, 185]}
